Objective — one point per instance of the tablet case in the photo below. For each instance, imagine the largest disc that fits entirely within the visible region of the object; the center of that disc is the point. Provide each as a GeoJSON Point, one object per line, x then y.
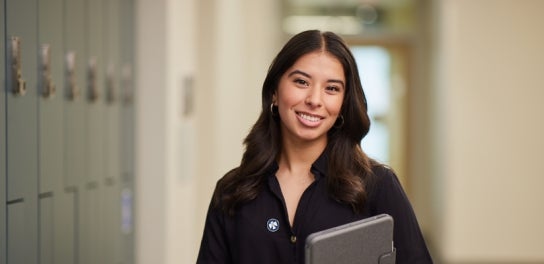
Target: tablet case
{"type": "Point", "coordinates": [367, 241]}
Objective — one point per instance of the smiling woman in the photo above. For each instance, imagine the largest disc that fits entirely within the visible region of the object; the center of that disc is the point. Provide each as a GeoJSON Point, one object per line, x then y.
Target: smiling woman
{"type": "Point", "coordinates": [309, 98]}
{"type": "Point", "coordinates": [303, 169]}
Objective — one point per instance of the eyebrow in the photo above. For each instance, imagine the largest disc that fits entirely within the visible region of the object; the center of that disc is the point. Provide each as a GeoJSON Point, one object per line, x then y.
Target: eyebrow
{"type": "Point", "coordinates": [309, 76]}
{"type": "Point", "coordinates": [299, 72]}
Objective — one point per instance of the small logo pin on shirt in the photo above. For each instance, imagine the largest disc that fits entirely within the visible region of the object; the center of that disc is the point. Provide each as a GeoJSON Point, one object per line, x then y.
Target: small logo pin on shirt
{"type": "Point", "coordinates": [273, 225]}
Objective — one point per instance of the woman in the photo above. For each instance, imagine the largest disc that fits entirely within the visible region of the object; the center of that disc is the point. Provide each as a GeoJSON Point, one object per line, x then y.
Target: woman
{"type": "Point", "coordinates": [303, 169]}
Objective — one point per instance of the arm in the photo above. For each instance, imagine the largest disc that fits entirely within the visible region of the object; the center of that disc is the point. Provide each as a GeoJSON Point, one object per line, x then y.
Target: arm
{"type": "Point", "coordinates": [214, 247]}
{"type": "Point", "coordinates": [391, 199]}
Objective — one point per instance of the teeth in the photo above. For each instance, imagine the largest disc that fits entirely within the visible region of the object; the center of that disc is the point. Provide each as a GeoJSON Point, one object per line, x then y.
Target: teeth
{"type": "Point", "coordinates": [309, 117]}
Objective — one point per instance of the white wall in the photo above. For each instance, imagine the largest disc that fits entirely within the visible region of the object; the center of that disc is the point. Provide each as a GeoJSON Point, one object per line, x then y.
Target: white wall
{"type": "Point", "coordinates": [166, 180]}
{"type": "Point", "coordinates": [225, 47]}
{"type": "Point", "coordinates": [489, 130]}
{"type": "Point", "coordinates": [237, 43]}
{"type": "Point", "coordinates": [151, 120]}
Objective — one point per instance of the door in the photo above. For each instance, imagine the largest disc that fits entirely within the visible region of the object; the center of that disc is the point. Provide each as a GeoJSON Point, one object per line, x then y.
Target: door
{"type": "Point", "coordinates": [21, 124]}
{"type": "Point", "coordinates": [2, 142]}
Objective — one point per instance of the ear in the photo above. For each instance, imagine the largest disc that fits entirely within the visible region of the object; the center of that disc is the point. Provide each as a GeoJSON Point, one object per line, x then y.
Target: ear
{"type": "Point", "coordinates": [275, 98]}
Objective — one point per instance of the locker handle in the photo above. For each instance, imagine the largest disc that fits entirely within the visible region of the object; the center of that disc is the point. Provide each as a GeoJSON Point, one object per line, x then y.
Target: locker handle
{"type": "Point", "coordinates": [91, 80]}
{"type": "Point", "coordinates": [18, 86]}
{"type": "Point", "coordinates": [110, 84]}
{"type": "Point", "coordinates": [47, 85]}
{"type": "Point", "coordinates": [71, 79]}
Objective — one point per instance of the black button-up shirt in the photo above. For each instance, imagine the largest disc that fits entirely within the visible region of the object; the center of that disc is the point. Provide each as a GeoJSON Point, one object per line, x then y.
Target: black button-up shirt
{"type": "Point", "coordinates": [259, 231]}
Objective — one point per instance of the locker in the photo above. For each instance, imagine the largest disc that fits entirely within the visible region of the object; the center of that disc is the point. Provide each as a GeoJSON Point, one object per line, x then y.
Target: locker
{"type": "Point", "coordinates": [89, 221]}
{"type": "Point", "coordinates": [57, 235]}
{"type": "Point", "coordinates": [2, 141]}
{"type": "Point", "coordinates": [113, 133]}
{"type": "Point", "coordinates": [114, 209]}
{"type": "Point", "coordinates": [21, 109]}
{"type": "Point", "coordinates": [51, 126]}
{"type": "Point", "coordinates": [65, 208]}
{"type": "Point", "coordinates": [66, 137]}
{"type": "Point", "coordinates": [92, 223]}
{"type": "Point", "coordinates": [75, 118]}
{"type": "Point", "coordinates": [21, 131]}
{"type": "Point", "coordinates": [127, 129]}
{"type": "Point", "coordinates": [95, 92]}
{"type": "Point", "coordinates": [46, 229]}
{"type": "Point", "coordinates": [107, 226]}
{"type": "Point", "coordinates": [127, 88]}
{"type": "Point", "coordinates": [18, 250]}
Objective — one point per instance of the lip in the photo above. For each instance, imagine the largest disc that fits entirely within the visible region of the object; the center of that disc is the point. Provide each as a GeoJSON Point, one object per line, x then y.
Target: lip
{"type": "Point", "coordinates": [307, 119]}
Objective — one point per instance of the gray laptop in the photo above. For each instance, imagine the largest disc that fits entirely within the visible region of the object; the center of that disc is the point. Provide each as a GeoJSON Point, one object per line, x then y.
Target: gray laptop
{"type": "Point", "coordinates": [367, 241]}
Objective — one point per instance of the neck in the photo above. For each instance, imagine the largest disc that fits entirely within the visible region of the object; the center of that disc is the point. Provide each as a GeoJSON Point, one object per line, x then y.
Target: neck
{"type": "Point", "coordinates": [298, 158]}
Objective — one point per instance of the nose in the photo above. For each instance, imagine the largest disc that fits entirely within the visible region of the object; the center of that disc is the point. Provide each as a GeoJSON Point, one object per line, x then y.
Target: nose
{"type": "Point", "coordinates": [313, 98]}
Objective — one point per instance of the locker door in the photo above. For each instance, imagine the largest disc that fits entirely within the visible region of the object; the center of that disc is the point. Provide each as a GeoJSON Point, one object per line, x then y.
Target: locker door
{"type": "Point", "coordinates": [75, 119]}
{"type": "Point", "coordinates": [57, 236]}
{"type": "Point", "coordinates": [74, 106]}
{"type": "Point", "coordinates": [2, 141]}
{"type": "Point", "coordinates": [94, 191]}
{"type": "Point", "coordinates": [93, 218]}
{"type": "Point", "coordinates": [21, 122]}
{"type": "Point", "coordinates": [112, 151]}
{"type": "Point", "coordinates": [127, 129]}
{"type": "Point", "coordinates": [95, 92]}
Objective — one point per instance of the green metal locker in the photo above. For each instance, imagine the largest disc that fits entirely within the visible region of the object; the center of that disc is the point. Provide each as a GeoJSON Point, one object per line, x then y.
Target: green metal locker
{"type": "Point", "coordinates": [21, 123]}
{"type": "Point", "coordinates": [74, 106]}
{"type": "Point", "coordinates": [95, 92]}
{"type": "Point", "coordinates": [2, 140]}
{"type": "Point", "coordinates": [113, 136]}
{"type": "Point", "coordinates": [66, 135]}
{"type": "Point", "coordinates": [92, 223]}
{"type": "Point", "coordinates": [75, 118]}
{"type": "Point", "coordinates": [57, 203]}
{"type": "Point", "coordinates": [127, 129]}
{"type": "Point", "coordinates": [76, 124]}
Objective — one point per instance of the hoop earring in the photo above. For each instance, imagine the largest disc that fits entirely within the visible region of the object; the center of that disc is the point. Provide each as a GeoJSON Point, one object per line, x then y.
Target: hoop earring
{"type": "Point", "coordinates": [272, 110]}
{"type": "Point", "coordinates": [341, 118]}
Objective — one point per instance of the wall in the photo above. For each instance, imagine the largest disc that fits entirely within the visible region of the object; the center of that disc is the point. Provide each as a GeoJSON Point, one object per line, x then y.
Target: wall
{"type": "Point", "coordinates": [477, 130]}
{"type": "Point", "coordinates": [234, 56]}
{"type": "Point", "coordinates": [201, 66]}
{"type": "Point", "coordinates": [488, 130]}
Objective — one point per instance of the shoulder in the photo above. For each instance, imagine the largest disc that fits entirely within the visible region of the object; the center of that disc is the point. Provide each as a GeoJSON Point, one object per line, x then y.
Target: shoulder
{"type": "Point", "coordinates": [224, 187]}
{"type": "Point", "coordinates": [383, 178]}
{"type": "Point", "coordinates": [385, 189]}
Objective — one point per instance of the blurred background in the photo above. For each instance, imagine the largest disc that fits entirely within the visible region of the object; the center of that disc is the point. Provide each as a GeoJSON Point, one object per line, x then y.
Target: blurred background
{"type": "Point", "coordinates": [154, 98]}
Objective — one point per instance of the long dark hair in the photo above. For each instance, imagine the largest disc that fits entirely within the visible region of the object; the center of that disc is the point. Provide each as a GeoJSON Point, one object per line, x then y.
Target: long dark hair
{"type": "Point", "coordinates": [349, 169]}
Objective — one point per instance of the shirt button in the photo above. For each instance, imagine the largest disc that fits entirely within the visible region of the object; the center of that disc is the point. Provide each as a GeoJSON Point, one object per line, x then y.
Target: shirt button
{"type": "Point", "coordinates": [293, 239]}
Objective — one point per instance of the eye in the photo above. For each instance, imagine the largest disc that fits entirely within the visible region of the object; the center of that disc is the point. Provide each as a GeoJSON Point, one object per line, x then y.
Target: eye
{"type": "Point", "coordinates": [332, 89]}
{"type": "Point", "coordinates": [301, 82]}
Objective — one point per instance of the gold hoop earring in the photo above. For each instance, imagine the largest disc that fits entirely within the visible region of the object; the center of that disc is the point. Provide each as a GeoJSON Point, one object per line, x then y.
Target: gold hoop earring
{"type": "Point", "coordinates": [272, 110]}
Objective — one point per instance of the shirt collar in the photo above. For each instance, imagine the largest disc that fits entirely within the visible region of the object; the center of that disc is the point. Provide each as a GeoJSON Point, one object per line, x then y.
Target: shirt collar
{"type": "Point", "coordinates": [319, 167]}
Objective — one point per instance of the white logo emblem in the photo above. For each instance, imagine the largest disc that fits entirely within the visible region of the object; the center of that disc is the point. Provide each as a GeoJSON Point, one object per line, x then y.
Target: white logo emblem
{"type": "Point", "coordinates": [273, 225]}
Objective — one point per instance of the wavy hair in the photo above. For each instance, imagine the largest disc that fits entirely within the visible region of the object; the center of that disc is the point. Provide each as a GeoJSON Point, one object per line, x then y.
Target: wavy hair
{"type": "Point", "coordinates": [349, 169]}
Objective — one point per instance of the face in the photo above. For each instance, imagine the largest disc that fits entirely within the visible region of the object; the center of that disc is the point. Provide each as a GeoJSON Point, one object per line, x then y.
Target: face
{"type": "Point", "coordinates": [309, 97]}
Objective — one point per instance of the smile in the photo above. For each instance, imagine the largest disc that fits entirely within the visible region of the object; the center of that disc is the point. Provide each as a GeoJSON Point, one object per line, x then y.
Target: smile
{"type": "Point", "coordinates": [308, 117]}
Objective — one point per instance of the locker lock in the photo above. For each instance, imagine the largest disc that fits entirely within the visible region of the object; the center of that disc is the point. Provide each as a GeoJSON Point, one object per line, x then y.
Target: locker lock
{"type": "Point", "coordinates": [71, 79]}
{"type": "Point", "coordinates": [18, 85]}
{"type": "Point", "coordinates": [47, 85]}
